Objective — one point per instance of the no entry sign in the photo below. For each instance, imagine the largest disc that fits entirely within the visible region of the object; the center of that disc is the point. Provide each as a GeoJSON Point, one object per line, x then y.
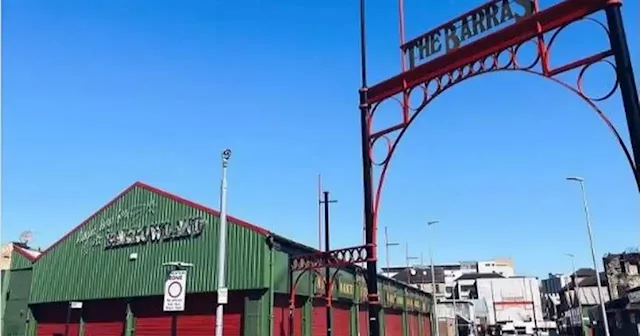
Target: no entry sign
{"type": "Point", "coordinates": [174, 290]}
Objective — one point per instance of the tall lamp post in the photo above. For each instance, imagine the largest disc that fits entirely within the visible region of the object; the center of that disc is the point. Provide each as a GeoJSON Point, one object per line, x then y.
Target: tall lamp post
{"type": "Point", "coordinates": [605, 320]}
{"type": "Point", "coordinates": [433, 279]}
{"type": "Point", "coordinates": [576, 287]}
{"type": "Point", "coordinates": [222, 246]}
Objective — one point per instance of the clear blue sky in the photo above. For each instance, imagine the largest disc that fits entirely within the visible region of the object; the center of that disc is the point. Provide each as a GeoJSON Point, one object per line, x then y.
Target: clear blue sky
{"type": "Point", "coordinates": [99, 94]}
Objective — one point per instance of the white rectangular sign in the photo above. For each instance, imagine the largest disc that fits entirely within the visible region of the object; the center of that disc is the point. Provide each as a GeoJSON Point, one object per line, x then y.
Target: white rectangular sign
{"type": "Point", "coordinates": [223, 295]}
{"type": "Point", "coordinates": [174, 290]}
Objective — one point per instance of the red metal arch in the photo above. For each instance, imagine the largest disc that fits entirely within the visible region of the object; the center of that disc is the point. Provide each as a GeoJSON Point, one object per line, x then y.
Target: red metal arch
{"type": "Point", "coordinates": [314, 262]}
{"type": "Point", "coordinates": [468, 60]}
{"type": "Point", "coordinates": [486, 65]}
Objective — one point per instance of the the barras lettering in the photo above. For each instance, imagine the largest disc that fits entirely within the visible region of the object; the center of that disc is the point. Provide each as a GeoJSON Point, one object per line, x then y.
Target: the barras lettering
{"type": "Point", "coordinates": [476, 23]}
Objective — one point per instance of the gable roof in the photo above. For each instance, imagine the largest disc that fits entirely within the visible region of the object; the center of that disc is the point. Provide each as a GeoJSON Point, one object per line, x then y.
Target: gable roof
{"type": "Point", "coordinates": [163, 193]}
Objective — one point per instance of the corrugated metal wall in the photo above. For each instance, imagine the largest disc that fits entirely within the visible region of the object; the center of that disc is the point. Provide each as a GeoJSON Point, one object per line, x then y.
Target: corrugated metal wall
{"type": "Point", "coordinates": [93, 272]}
{"type": "Point", "coordinates": [18, 261]}
{"type": "Point", "coordinates": [14, 319]}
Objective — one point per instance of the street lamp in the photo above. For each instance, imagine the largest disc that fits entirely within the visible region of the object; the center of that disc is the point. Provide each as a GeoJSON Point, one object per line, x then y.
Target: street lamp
{"type": "Point", "coordinates": [580, 180]}
{"type": "Point", "coordinates": [433, 279]}
{"type": "Point", "coordinates": [222, 246]}
{"type": "Point", "coordinates": [576, 286]}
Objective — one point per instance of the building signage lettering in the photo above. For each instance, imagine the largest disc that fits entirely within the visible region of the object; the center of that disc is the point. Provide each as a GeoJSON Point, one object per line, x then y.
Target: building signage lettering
{"type": "Point", "coordinates": [475, 24]}
{"type": "Point", "coordinates": [346, 288]}
{"type": "Point", "coordinates": [166, 231]}
{"type": "Point", "coordinates": [320, 284]}
{"type": "Point", "coordinates": [93, 235]}
{"type": "Point", "coordinates": [392, 299]}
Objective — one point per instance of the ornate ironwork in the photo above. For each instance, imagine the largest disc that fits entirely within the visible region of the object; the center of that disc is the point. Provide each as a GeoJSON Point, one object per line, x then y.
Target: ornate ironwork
{"type": "Point", "coordinates": [430, 89]}
{"type": "Point", "coordinates": [429, 80]}
{"type": "Point", "coordinates": [334, 258]}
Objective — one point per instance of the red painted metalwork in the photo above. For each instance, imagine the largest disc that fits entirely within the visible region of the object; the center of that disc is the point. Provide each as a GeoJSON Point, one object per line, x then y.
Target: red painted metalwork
{"type": "Point", "coordinates": [335, 258]}
{"type": "Point", "coordinates": [281, 325]}
{"type": "Point", "coordinates": [483, 56]}
{"type": "Point", "coordinates": [320, 260]}
{"type": "Point", "coordinates": [198, 319]}
{"type": "Point", "coordinates": [341, 319]}
{"type": "Point", "coordinates": [319, 317]}
{"type": "Point", "coordinates": [104, 317]}
{"type": "Point", "coordinates": [426, 325]}
{"type": "Point", "coordinates": [363, 320]}
{"type": "Point", "coordinates": [51, 319]}
{"type": "Point", "coordinates": [393, 322]}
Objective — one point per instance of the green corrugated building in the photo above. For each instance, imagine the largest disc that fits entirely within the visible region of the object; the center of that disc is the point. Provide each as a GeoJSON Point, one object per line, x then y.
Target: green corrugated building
{"type": "Point", "coordinates": [107, 277]}
{"type": "Point", "coordinates": [16, 284]}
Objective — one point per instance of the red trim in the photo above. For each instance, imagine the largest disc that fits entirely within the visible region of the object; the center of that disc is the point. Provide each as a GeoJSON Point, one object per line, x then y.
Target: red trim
{"type": "Point", "coordinates": [160, 192]}
{"type": "Point", "coordinates": [512, 303]}
{"type": "Point", "coordinates": [21, 251]}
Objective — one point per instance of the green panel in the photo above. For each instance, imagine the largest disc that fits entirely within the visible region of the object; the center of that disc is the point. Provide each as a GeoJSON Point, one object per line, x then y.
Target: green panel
{"type": "Point", "coordinates": [281, 276]}
{"type": "Point", "coordinates": [31, 324]}
{"type": "Point", "coordinates": [98, 272]}
{"type": "Point", "coordinates": [19, 261]}
{"type": "Point", "coordinates": [256, 314]}
{"type": "Point", "coordinates": [17, 310]}
{"type": "Point", "coordinates": [354, 320]}
{"type": "Point", "coordinates": [306, 319]}
{"type": "Point", "coordinates": [6, 277]}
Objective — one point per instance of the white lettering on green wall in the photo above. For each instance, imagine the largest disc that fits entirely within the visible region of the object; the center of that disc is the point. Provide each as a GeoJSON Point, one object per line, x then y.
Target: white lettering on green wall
{"type": "Point", "coordinates": [155, 233]}
{"type": "Point", "coordinates": [93, 235]}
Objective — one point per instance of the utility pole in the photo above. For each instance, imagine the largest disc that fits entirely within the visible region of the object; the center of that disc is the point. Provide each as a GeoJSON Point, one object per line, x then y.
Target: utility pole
{"type": "Point", "coordinates": [222, 246]}
{"type": "Point", "coordinates": [319, 212]}
{"type": "Point", "coordinates": [408, 261]}
{"type": "Point", "coordinates": [327, 270]}
{"type": "Point", "coordinates": [387, 244]}
{"type": "Point", "coordinates": [576, 289]}
{"type": "Point", "coordinates": [433, 281]}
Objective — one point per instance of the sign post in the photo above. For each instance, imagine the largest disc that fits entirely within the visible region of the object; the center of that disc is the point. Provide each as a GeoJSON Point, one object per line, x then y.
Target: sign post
{"type": "Point", "coordinates": [174, 291]}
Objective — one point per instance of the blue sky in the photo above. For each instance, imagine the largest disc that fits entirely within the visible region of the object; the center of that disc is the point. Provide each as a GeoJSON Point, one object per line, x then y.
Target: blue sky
{"type": "Point", "coordinates": [99, 94]}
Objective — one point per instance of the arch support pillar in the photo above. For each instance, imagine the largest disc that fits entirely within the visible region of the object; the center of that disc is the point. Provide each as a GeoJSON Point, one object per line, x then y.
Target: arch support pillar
{"type": "Point", "coordinates": [626, 79]}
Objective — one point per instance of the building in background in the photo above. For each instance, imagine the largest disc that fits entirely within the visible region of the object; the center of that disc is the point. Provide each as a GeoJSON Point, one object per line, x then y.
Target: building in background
{"type": "Point", "coordinates": [466, 286]}
{"type": "Point", "coordinates": [571, 319]}
{"type": "Point", "coordinates": [514, 303]}
{"type": "Point", "coordinates": [623, 278]}
{"type": "Point", "coordinates": [550, 290]}
{"type": "Point", "coordinates": [502, 266]}
{"type": "Point", "coordinates": [465, 314]}
{"type": "Point", "coordinates": [622, 272]}
{"type": "Point", "coordinates": [420, 277]}
{"type": "Point", "coordinates": [446, 274]}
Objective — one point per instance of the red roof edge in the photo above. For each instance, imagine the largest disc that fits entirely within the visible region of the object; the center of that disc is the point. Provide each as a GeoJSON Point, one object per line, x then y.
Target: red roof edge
{"type": "Point", "coordinates": [160, 192]}
{"type": "Point", "coordinates": [24, 253]}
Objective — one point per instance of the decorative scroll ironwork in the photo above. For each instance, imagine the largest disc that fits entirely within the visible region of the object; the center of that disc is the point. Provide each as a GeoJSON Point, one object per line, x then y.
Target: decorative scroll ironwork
{"type": "Point", "coordinates": [313, 262]}
{"type": "Point", "coordinates": [428, 90]}
{"type": "Point", "coordinates": [334, 258]}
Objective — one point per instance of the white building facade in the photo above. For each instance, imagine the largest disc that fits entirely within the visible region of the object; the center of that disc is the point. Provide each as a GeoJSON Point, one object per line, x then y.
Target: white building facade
{"type": "Point", "coordinates": [502, 266]}
{"type": "Point", "coordinates": [515, 302]}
